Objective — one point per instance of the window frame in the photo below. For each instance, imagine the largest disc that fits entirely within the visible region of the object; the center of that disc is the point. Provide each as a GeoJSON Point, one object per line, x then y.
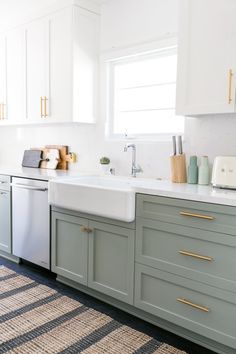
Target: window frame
{"type": "Point", "coordinates": [125, 56]}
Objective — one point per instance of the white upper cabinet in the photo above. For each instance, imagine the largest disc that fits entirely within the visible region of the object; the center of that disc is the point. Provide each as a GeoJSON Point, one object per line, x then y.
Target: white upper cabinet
{"type": "Point", "coordinates": [37, 70]}
{"type": "Point", "coordinates": [206, 57]}
{"type": "Point", "coordinates": [16, 76]}
{"type": "Point", "coordinates": [48, 69]}
{"type": "Point", "coordinates": [61, 66]}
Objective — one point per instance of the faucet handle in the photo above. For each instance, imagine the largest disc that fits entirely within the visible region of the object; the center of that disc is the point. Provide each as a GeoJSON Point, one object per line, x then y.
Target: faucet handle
{"type": "Point", "coordinates": [138, 169]}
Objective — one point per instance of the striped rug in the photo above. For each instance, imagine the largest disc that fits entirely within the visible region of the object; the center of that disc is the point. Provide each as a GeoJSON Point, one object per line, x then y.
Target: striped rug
{"type": "Point", "coordinates": [37, 319]}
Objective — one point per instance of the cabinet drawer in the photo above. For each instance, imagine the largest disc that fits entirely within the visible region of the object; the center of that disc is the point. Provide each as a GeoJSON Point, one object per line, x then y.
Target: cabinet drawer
{"type": "Point", "coordinates": [197, 254]}
{"type": "Point", "coordinates": [200, 308]}
{"type": "Point", "coordinates": [200, 215]}
{"type": "Point", "coordinates": [5, 182]}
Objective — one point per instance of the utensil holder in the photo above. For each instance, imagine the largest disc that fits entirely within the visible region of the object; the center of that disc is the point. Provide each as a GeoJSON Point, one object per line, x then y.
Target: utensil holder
{"type": "Point", "coordinates": [178, 168]}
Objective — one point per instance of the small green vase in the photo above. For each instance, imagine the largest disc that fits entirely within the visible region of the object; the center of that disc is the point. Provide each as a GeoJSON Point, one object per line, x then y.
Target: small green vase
{"type": "Point", "coordinates": [193, 170]}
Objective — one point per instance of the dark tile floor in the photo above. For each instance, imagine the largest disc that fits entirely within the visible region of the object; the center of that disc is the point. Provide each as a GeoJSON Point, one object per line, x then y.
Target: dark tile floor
{"type": "Point", "coordinates": [161, 335]}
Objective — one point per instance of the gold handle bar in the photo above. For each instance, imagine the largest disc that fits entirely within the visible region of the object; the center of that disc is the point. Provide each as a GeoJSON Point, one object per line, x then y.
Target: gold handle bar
{"type": "Point", "coordinates": [230, 86]}
{"type": "Point", "coordinates": [189, 303]}
{"type": "Point", "coordinates": [3, 111]}
{"type": "Point", "coordinates": [206, 217]}
{"type": "Point", "coordinates": [195, 255]}
{"type": "Point", "coordinates": [41, 107]}
{"type": "Point", "coordinates": [86, 229]}
{"type": "Point", "coordinates": [45, 106]}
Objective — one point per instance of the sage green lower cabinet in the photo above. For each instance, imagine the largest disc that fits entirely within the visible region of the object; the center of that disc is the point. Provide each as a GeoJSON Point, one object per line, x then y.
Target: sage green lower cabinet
{"type": "Point", "coordinates": [5, 214]}
{"type": "Point", "coordinates": [185, 266]}
{"type": "Point", "coordinates": [175, 266]}
{"type": "Point", "coordinates": [70, 247]}
{"type": "Point", "coordinates": [205, 256]}
{"type": "Point", "coordinates": [111, 260]}
{"type": "Point", "coordinates": [95, 254]}
{"type": "Point", "coordinates": [200, 308]}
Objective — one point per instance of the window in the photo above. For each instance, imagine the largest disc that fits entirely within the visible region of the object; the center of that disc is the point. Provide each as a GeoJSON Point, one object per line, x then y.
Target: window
{"type": "Point", "coordinates": [141, 100]}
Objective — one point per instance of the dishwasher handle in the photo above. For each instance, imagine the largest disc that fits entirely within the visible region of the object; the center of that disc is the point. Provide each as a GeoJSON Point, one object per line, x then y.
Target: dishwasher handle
{"type": "Point", "coordinates": [25, 186]}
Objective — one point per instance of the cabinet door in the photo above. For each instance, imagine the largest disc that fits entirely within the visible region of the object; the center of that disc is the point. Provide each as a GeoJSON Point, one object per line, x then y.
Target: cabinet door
{"type": "Point", "coordinates": [206, 56]}
{"type": "Point", "coordinates": [61, 66]}
{"type": "Point", "coordinates": [5, 222]}
{"type": "Point", "coordinates": [111, 260]}
{"type": "Point", "coordinates": [85, 65]}
{"type": "Point", "coordinates": [37, 59]}
{"type": "Point", "coordinates": [3, 77]}
{"type": "Point", "coordinates": [16, 76]}
{"type": "Point", "coordinates": [69, 247]}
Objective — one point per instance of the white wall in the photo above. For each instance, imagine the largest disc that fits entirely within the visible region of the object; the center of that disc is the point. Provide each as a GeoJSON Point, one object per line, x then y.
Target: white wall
{"type": "Point", "coordinates": [211, 135]}
{"type": "Point", "coordinates": [124, 23]}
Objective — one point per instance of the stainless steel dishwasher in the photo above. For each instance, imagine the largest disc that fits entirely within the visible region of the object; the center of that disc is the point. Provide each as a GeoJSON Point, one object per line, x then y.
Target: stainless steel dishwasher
{"type": "Point", "coordinates": [30, 221]}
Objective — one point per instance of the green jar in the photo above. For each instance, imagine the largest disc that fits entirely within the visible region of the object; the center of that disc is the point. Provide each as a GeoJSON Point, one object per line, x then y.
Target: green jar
{"type": "Point", "coordinates": [193, 170]}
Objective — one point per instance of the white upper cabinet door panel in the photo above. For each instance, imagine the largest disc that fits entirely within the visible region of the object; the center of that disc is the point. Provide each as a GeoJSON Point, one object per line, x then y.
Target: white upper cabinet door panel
{"type": "Point", "coordinates": [16, 76]}
{"type": "Point", "coordinates": [207, 53]}
{"type": "Point", "coordinates": [48, 69]}
{"type": "Point", "coordinates": [3, 113]}
{"type": "Point", "coordinates": [37, 66]}
{"type": "Point", "coordinates": [85, 65]}
{"type": "Point", "coordinates": [61, 66]}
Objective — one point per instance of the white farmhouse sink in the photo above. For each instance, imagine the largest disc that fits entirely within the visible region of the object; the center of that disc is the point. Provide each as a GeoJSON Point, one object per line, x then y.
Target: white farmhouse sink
{"type": "Point", "coordinates": [110, 196]}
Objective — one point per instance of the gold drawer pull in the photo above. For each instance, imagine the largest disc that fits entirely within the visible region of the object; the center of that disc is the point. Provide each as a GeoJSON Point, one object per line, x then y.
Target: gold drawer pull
{"type": "Point", "coordinates": [86, 229]}
{"type": "Point", "coordinates": [189, 303]}
{"type": "Point", "coordinates": [206, 217]}
{"type": "Point", "coordinates": [45, 106]}
{"type": "Point", "coordinates": [230, 86]}
{"type": "Point", "coordinates": [3, 111]}
{"type": "Point", "coordinates": [41, 107]}
{"type": "Point", "coordinates": [195, 255]}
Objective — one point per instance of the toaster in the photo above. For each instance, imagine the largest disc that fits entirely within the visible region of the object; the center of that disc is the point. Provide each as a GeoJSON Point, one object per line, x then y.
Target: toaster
{"type": "Point", "coordinates": [224, 172]}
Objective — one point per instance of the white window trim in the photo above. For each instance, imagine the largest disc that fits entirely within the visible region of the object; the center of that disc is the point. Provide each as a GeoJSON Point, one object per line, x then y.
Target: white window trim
{"type": "Point", "coordinates": [126, 55]}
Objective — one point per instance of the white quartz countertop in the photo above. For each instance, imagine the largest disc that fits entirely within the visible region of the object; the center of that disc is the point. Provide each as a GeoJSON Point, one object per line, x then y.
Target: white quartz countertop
{"type": "Point", "coordinates": [36, 173]}
{"type": "Point", "coordinates": [150, 186]}
{"type": "Point", "coordinates": [206, 194]}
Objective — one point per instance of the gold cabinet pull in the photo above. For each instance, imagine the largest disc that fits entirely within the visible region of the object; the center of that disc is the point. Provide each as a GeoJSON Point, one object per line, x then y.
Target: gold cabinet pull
{"type": "Point", "coordinates": [230, 86]}
{"type": "Point", "coordinates": [193, 215]}
{"type": "Point", "coordinates": [45, 106]}
{"type": "Point", "coordinates": [3, 111]}
{"type": "Point", "coordinates": [90, 230]}
{"type": "Point", "coordinates": [189, 303]}
{"type": "Point", "coordinates": [86, 229]}
{"type": "Point", "coordinates": [41, 107]}
{"type": "Point", "coordinates": [195, 255]}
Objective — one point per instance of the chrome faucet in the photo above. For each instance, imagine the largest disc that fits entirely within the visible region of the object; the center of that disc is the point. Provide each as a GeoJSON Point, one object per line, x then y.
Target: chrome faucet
{"type": "Point", "coordinates": [135, 168]}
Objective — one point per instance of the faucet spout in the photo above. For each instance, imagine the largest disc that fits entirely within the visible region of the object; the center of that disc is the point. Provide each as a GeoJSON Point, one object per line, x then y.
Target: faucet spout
{"type": "Point", "coordinates": [135, 168]}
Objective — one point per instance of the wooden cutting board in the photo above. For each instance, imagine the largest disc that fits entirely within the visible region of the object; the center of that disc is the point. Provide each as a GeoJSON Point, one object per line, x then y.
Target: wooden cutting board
{"type": "Point", "coordinates": [64, 151]}
{"type": "Point", "coordinates": [61, 161]}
